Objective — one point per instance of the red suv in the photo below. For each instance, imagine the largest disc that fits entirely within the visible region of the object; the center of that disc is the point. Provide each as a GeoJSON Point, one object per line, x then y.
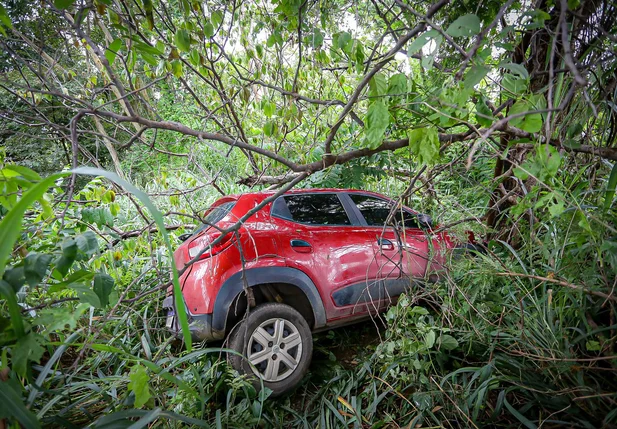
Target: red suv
{"type": "Point", "coordinates": [307, 261]}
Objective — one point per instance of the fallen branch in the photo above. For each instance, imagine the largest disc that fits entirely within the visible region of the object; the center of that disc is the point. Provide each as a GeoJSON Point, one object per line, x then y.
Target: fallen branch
{"type": "Point", "coordinates": [560, 283]}
{"type": "Point", "coordinates": [150, 229]}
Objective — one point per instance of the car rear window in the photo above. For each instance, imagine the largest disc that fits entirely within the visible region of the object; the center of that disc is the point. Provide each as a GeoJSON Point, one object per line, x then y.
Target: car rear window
{"type": "Point", "coordinates": [312, 209]}
{"type": "Point", "coordinates": [376, 211]}
{"type": "Point", "coordinates": [215, 215]}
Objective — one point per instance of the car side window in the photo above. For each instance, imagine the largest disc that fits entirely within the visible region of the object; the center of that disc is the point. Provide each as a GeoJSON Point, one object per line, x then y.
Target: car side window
{"type": "Point", "coordinates": [376, 211]}
{"type": "Point", "coordinates": [312, 209]}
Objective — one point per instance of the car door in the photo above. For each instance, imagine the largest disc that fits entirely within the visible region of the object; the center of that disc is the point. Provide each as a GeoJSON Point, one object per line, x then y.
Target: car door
{"type": "Point", "coordinates": [320, 236]}
{"type": "Point", "coordinates": [403, 251]}
{"type": "Point", "coordinates": [429, 255]}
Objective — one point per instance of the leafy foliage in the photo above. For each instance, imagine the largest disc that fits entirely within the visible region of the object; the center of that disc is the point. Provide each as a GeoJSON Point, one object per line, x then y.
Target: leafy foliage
{"type": "Point", "coordinates": [497, 117]}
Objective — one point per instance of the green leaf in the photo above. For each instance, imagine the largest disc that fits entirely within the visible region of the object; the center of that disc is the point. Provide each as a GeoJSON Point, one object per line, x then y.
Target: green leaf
{"type": "Point", "coordinates": [513, 84]}
{"type": "Point", "coordinates": [100, 215]}
{"type": "Point", "coordinates": [475, 75]}
{"type": "Point", "coordinates": [107, 348]}
{"type": "Point", "coordinates": [14, 309]}
{"type": "Point", "coordinates": [556, 209]}
{"type": "Point", "coordinates": [216, 18]}
{"type": "Point", "coordinates": [538, 18]}
{"type": "Point", "coordinates": [4, 18]}
{"type": "Point", "coordinates": [573, 4]}
{"type": "Point", "coordinates": [8, 173]}
{"type": "Point", "coordinates": [341, 39]}
{"type": "Point", "coordinates": [22, 171]}
{"type": "Point", "coordinates": [531, 122]}
{"type": "Point", "coordinates": [194, 57]}
{"type": "Point", "coordinates": [103, 285]}
{"type": "Point", "coordinates": [422, 40]}
{"type": "Point", "coordinates": [139, 385]}
{"type": "Point", "coordinates": [521, 418]}
{"type": "Point", "coordinates": [574, 130]}
{"type": "Point", "coordinates": [27, 349]}
{"type": "Point", "coordinates": [484, 115]}
{"type": "Point", "coordinates": [269, 128]}
{"type": "Point", "coordinates": [424, 143]}
{"type": "Point", "coordinates": [378, 85]}
{"type": "Point", "coordinates": [538, 102]}
{"type": "Point", "coordinates": [609, 249]}
{"type": "Point", "coordinates": [429, 339]}
{"type": "Point", "coordinates": [182, 39]}
{"type": "Point", "coordinates": [610, 188]}
{"type": "Point", "coordinates": [148, 8]}
{"type": "Point", "coordinates": [517, 69]}
{"type": "Point", "coordinates": [126, 418]}
{"type": "Point", "coordinates": [35, 267]}
{"type": "Point", "coordinates": [593, 346]}
{"type": "Point", "coordinates": [447, 342]}
{"type": "Point", "coordinates": [60, 318]}
{"type": "Point", "coordinates": [397, 84]}
{"type": "Point", "coordinates": [209, 29]}
{"type": "Point", "coordinates": [114, 209]}
{"type": "Point", "coordinates": [112, 50]}
{"type": "Point", "coordinates": [269, 108]}
{"type": "Point", "coordinates": [176, 68]}
{"type": "Point", "coordinates": [69, 254]}
{"type": "Point", "coordinates": [543, 165]}
{"type": "Point", "coordinates": [87, 243]}
{"type": "Point", "coordinates": [12, 405]}
{"type": "Point", "coordinates": [376, 122]}
{"type": "Point", "coordinates": [143, 47]}
{"type": "Point", "coordinates": [464, 26]}
{"type": "Point", "coordinates": [86, 294]}
{"type": "Point", "coordinates": [358, 56]}
{"type": "Point", "coordinates": [15, 277]}
{"type": "Point", "coordinates": [63, 4]}
{"type": "Point", "coordinates": [271, 40]}
{"type": "Point", "coordinates": [422, 400]}
{"type": "Point", "coordinates": [315, 39]}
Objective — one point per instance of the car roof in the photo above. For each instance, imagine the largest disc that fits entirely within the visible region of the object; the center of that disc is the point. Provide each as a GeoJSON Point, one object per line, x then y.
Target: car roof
{"type": "Point", "coordinates": [268, 193]}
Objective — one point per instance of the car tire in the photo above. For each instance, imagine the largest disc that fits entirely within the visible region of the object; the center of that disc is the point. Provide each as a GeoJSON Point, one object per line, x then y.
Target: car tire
{"type": "Point", "coordinates": [276, 346]}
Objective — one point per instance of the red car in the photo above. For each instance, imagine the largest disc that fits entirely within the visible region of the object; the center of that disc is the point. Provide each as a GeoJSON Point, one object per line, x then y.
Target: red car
{"type": "Point", "coordinates": [307, 261]}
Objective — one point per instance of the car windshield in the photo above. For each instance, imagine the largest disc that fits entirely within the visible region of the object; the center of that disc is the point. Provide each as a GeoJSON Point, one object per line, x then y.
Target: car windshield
{"type": "Point", "coordinates": [215, 215]}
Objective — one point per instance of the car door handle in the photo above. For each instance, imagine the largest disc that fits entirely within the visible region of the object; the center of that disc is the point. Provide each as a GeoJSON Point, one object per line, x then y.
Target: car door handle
{"type": "Point", "coordinates": [385, 244]}
{"type": "Point", "coordinates": [301, 246]}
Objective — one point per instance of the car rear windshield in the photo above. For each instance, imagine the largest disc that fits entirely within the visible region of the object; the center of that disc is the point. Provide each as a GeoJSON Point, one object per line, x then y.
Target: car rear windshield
{"type": "Point", "coordinates": [312, 209]}
{"type": "Point", "coordinates": [215, 215]}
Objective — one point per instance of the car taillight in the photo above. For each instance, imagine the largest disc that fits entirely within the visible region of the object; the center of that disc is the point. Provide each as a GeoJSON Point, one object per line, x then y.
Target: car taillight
{"type": "Point", "coordinates": [203, 242]}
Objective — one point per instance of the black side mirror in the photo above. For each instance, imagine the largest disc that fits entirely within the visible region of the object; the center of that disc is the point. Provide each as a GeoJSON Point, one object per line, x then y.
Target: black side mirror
{"type": "Point", "coordinates": [425, 221]}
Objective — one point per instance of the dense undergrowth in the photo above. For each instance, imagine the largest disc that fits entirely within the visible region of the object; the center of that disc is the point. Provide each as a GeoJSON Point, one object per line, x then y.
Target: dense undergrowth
{"type": "Point", "coordinates": [516, 336]}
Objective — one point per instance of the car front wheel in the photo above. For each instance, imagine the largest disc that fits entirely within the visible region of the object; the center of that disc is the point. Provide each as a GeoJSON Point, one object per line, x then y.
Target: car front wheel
{"type": "Point", "coordinates": [276, 346]}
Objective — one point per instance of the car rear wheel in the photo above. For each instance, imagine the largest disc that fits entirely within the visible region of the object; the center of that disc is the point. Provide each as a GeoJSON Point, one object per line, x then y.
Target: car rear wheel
{"type": "Point", "coordinates": [276, 346]}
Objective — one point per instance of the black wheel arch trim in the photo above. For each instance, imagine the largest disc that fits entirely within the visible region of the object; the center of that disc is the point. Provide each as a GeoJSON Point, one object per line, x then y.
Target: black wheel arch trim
{"type": "Point", "coordinates": [257, 276]}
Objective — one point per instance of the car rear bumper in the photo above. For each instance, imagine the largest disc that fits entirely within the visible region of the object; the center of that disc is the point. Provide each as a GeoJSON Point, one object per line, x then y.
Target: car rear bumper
{"type": "Point", "coordinates": [200, 325]}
